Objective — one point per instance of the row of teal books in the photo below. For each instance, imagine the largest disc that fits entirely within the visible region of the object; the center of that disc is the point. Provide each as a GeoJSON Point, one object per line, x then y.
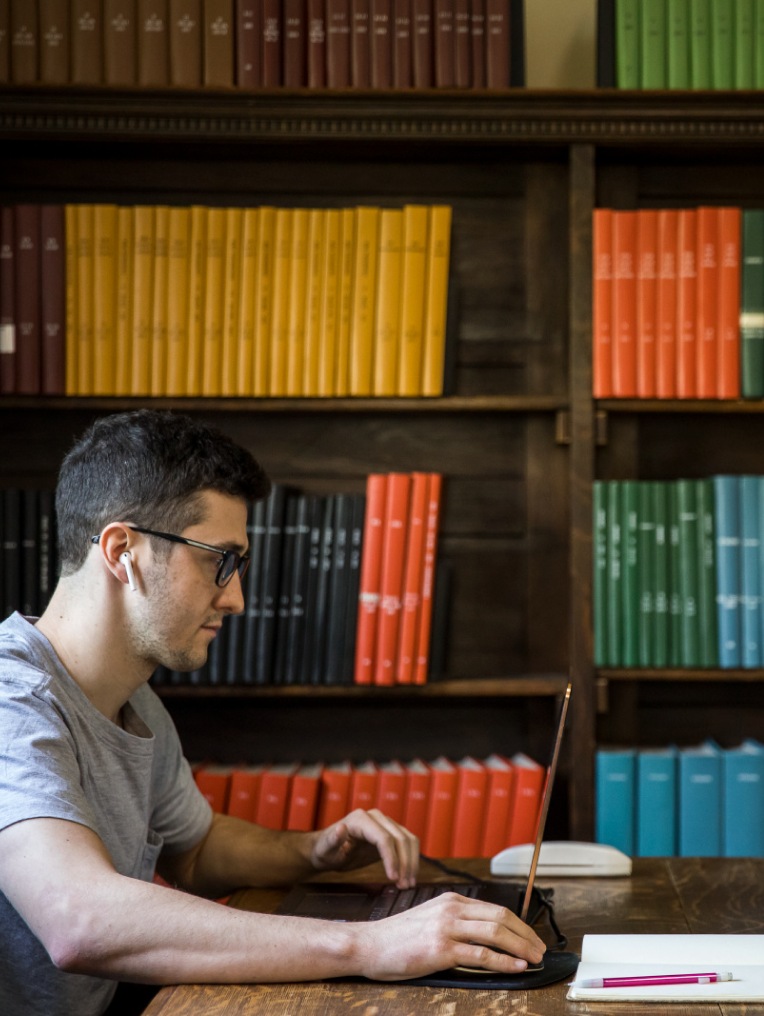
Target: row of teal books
{"type": "Point", "coordinates": [690, 802]}
{"type": "Point", "coordinates": [679, 573]}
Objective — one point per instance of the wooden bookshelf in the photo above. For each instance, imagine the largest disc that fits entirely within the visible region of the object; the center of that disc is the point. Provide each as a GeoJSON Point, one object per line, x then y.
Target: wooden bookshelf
{"type": "Point", "coordinates": [738, 674]}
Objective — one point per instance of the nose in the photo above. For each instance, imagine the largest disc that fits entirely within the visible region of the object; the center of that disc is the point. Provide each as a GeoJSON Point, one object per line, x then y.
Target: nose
{"type": "Point", "coordinates": [231, 597]}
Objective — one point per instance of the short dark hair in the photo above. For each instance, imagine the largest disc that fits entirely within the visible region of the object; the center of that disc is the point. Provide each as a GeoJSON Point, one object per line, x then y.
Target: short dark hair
{"type": "Point", "coordinates": [148, 468]}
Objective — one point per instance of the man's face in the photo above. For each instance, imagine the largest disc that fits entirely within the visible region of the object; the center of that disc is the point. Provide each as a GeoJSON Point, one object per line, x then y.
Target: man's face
{"type": "Point", "coordinates": [182, 609]}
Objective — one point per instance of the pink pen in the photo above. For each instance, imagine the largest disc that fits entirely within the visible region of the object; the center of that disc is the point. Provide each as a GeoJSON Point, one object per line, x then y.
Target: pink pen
{"type": "Point", "coordinates": [643, 982]}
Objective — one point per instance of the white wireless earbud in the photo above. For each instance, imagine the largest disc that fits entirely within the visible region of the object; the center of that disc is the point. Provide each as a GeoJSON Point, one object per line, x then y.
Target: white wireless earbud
{"type": "Point", "coordinates": [128, 563]}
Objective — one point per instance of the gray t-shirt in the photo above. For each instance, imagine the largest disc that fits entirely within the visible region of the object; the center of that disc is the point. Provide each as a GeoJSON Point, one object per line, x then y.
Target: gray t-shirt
{"type": "Point", "coordinates": [61, 758]}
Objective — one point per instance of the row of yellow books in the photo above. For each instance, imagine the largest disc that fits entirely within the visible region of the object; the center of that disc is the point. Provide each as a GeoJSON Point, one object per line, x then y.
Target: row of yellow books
{"type": "Point", "coordinates": [262, 301]}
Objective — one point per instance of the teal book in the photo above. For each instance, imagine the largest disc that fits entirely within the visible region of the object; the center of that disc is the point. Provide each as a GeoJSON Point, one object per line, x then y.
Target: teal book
{"type": "Point", "coordinates": [660, 657]}
{"type": "Point", "coordinates": [688, 578]}
{"type": "Point", "coordinates": [758, 43]}
{"type": "Point", "coordinates": [678, 49]}
{"type": "Point", "coordinates": [675, 579]}
{"type": "Point", "coordinates": [657, 802]}
{"type": "Point", "coordinates": [744, 43]}
{"type": "Point", "coordinates": [630, 571]}
{"type": "Point", "coordinates": [653, 45]}
{"type": "Point", "coordinates": [599, 529]}
{"type": "Point", "coordinates": [700, 801]}
{"type": "Point", "coordinates": [700, 43]}
{"type": "Point", "coordinates": [709, 644]}
{"type": "Point", "coordinates": [646, 556]}
{"type": "Point", "coordinates": [627, 30]}
{"type": "Point", "coordinates": [615, 799]}
{"type": "Point", "coordinates": [614, 583]}
{"type": "Point", "coordinates": [750, 562]}
{"type": "Point", "coordinates": [722, 43]}
{"type": "Point", "coordinates": [752, 305]}
{"type": "Point", "coordinates": [743, 824]}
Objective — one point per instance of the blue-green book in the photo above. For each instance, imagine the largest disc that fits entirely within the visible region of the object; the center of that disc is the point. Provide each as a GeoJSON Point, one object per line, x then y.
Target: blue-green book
{"type": "Point", "coordinates": [630, 571]}
{"type": "Point", "coordinates": [688, 579]}
{"type": "Point", "coordinates": [600, 528]}
{"type": "Point", "coordinates": [750, 562]}
{"type": "Point", "coordinates": [615, 799]}
{"type": "Point", "coordinates": [675, 579]}
{"type": "Point", "coordinates": [700, 801]}
{"type": "Point", "coordinates": [743, 823]}
{"type": "Point", "coordinates": [709, 646]}
{"type": "Point", "coordinates": [614, 580]}
{"type": "Point", "coordinates": [646, 555]}
{"type": "Point", "coordinates": [727, 527]}
{"type": "Point", "coordinates": [660, 653]}
{"type": "Point", "coordinates": [657, 802]}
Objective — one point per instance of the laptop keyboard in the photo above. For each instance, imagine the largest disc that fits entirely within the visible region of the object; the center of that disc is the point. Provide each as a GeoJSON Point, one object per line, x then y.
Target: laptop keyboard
{"type": "Point", "coordinates": [394, 901]}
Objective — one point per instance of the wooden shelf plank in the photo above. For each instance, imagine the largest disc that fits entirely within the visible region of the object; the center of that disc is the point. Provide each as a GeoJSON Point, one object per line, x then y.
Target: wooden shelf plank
{"type": "Point", "coordinates": [679, 674]}
{"type": "Point", "coordinates": [681, 405]}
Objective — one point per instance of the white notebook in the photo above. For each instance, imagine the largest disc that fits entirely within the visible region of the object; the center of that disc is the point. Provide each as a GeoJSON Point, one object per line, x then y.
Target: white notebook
{"type": "Point", "coordinates": [642, 955]}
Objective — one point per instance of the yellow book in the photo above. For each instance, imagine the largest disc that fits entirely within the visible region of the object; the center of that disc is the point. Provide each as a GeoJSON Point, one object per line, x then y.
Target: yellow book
{"type": "Point", "coordinates": [436, 299]}
{"type": "Point", "coordinates": [415, 227]}
{"type": "Point", "coordinates": [364, 300]}
{"type": "Point", "coordinates": [143, 299]}
{"type": "Point", "coordinates": [72, 332]}
{"type": "Point", "coordinates": [330, 283]}
{"type": "Point", "coordinates": [347, 264]}
{"type": "Point", "coordinates": [298, 300]}
{"type": "Point", "coordinates": [246, 338]}
{"type": "Point", "coordinates": [124, 327]}
{"type": "Point", "coordinates": [159, 301]}
{"type": "Point", "coordinates": [213, 302]}
{"type": "Point", "coordinates": [266, 239]}
{"type": "Point", "coordinates": [178, 307]}
{"type": "Point", "coordinates": [85, 299]}
{"type": "Point", "coordinates": [104, 298]}
{"type": "Point", "coordinates": [232, 286]}
{"type": "Point", "coordinates": [313, 309]}
{"type": "Point", "coordinates": [282, 260]}
{"type": "Point", "coordinates": [388, 317]}
{"type": "Point", "coordinates": [197, 286]}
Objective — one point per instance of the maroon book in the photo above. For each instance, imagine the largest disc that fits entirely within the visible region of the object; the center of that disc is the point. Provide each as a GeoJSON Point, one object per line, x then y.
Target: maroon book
{"type": "Point", "coordinates": [316, 43]}
{"type": "Point", "coordinates": [185, 17]}
{"type": "Point", "coordinates": [120, 42]}
{"type": "Point", "coordinates": [153, 43]}
{"type": "Point", "coordinates": [381, 44]}
{"type": "Point", "coordinates": [462, 44]}
{"type": "Point", "coordinates": [25, 37]}
{"type": "Point", "coordinates": [295, 44]}
{"type": "Point", "coordinates": [478, 43]}
{"type": "Point", "coordinates": [7, 303]}
{"type": "Point", "coordinates": [53, 299]}
{"type": "Point", "coordinates": [27, 228]}
{"type": "Point", "coordinates": [421, 13]}
{"type": "Point", "coordinates": [402, 44]}
{"type": "Point", "coordinates": [271, 43]}
{"type": "Point", "coordinates": [444, 43]}
{"type": "Point", "coordinates": [54, 41]}
{"type": "Point", "coordinates": [338, 43]}
{"type": "Point", "coordinates": [249, 34]}
{"type": "Point", "coordinates": [218, 42]}
{"type": "Point", "coordinates": [87, 42]}
{"type": "Point", "coordinates": [497, 43]}
{"type": "Point", "coordinates": [360, 50]}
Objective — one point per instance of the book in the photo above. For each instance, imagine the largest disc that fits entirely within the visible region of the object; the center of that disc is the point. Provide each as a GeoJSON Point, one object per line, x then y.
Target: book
{"type": "Point", "coordinates": [688, 580]}
{"type": "Point", "coordinates": [667, 296]}
{"type": "Point", "coordinates": [269, 584]}
{"type": "Point", "coordinates": [27, 298]}
{"type": "Point", "coordinates": [120, 42]}
{"type": "Point", "coordinates": [244, 792]}
{"type": "Point", "coordinates": [758, 45]}
{"type": "Point", "coordinates": [338, 43]}
{"type": "Point", "coordinates": [297, 309]}
{"type": "Point", "coordinates": [329, 314]}
{"type": "Point", "coordinates": [256, 538]}
{"type": "Point", "coordinates": [388, 314]}
{"type": "Point", "coordinates": [143, 297]}
{"type": "Point", "coordinates": [700, 801]}
{"type": "Point", "coordinates": [317, 507]}
{"type": "Point", "coordinates": [656, 802]}
{"type": "Point", "coordinates": [214, 783]}
{"type": "Point", "coordinates": [646, 573]}
{"type": "Point", "coordinates": [412, 579]}
{"type": "Point", "coordinates": [11, 547]}
{"type": "Point", "coordinates": [123, 330]}
{"type": "Point", "coordinates": [499, 794]}
{"type": "Point", "coordinates": [653, 44]}
{"type": "Point", "coordinates": [339, 582]}
{"type": "Point", "coordinates": [185, 41]}
{"type": "Point", "coordinates": [84, 298]}
{"type": "Point", "coordinates": [348, 236]}
{"type": "Point", "coordinates": [630, 572]}
{"type": "Point", "coordinates": [627, 39]}
{"type": "Point", "coordinates": [723, 32]}
{"type": "Point", "coordinates": [317, 657]}
{"type": "Point", "coordinates": [360, 44]}
{"type": "Point", "coordinates": [5, 55]}
{"type": "Point", "coordinates": [197, 283]}
{"type": "Point", "coordinates": [469, 814]}
{"type": "Point", "coordinates": [381, 43]}
{"type": "Point", "coordinates": [614, 620]}
{"type": "Point", "coordinates": [371, 571]}
{"type": "Point", "coordinates": [707, 302]}
{"type": "Point", "coordinates": [86, 42]}
{"type": "Point", "coordinates": [709, 651]}
{"type": "Point", "coordinates": [440, 813]}
{"type": "Point", "coordinates": [676, 603]}
{"type": "Point", "coordinates": [497, 44]}
{"type": "Point", "coordinates": [743, 816]}
{"type": "Point", "coordinates": [391, 790]}
{"type": "Point", "coordinates": [248, 35]}
{"type": "Point", "coordinates": [752, 304]}
{"type": "Point", "coordinates": [232, 271]}
{"type": "Point", "coordinates": [687, 305]}
{"type": "Point", "coordinates": [315, 289]}
{"type": "Point", "coordinates": [105, 299]}
{"type": "Point", "coordinates": [436, 300]}
{"type": "Point", "coordinates": [279, 345]}
{"type": "Point", "coordinates": [296, 622]}
{"type": "Point", "coordinates": [603, 302]}
{"type": "Point", "coordinates": [647, 284]}
{"type": "Point", "coordinates": [52, 300]}
{"type": "Point", "coordinates": [355, 547]}
{"type": "Point", "coordinates": [744, 21]}
{"type": "Point", "coordinates": [424, 640]}
{"type": "Point", "coordinates": [272, 42]}
{"type": "Point", "coordinates": [526, 801]}
{"type": "Point", "coordinates": [600, 577]}
{"type": "Point", "coordinates": [364, 300]}
{"type": "Point", "coordinates": [334, 794]}
{"type": "Point", "coordinates": [218, 45]}
{"type": "Point", "coordinates": [416, 225]}
{"type": "Point", "coordinates": [285, 592]}
{"type": "Point", "coordinates": [700, 44]}
{"type": "Point", "coordinates": [624, 304]}
{"type": "Point", "coordinates": [477, 30]}
{"type": "Point", "coordinates": [316, 32]}
{"type": "Point", "coordinates": [273, 800]}
{"type": "Point", "coordinates": [750, 563]}
{"type": "Point", "coordinates": [445, 72]}
{"type": "Point", "coordinates": [54, 42]}
{"type": "Point", "coordinates": [28, 555]}
{"type": "Point", "coordinates": [422, 50]}
{"type": "Point", "coordinates": [8, 300]}
{"type": "Point", "coordinates": [214, 273]}
{"type": "Point", "coordinates": [678, 47]}
{"type": "Point", "coordinates": [615, 799]}
{"type": "Point", "coordinates": [728, 329]}
{"type": "Point", "coordinates": [24, 40]}
{"type": "Point", "coordinates": [660, 642]}
{"type": "Point", "coordinates": [295, 48]}
{"type": "Point", "coordinates": [462, 43]}
{"type": "Point", "coordinates": [417, 797]}
{"type": "Point", "coordinates": [263, 301]}
{"type": "Point", "coordinates": [47, 570]}
{"type": "Point", "coordinates": [363, 786]}
{"type": "Point", "coordinates": [72, 292]}
{"type": "Point", "coordinates": [391, 576]}
{"type": "Point", "coordinates": [303, 801]}
{"type": "Point", "coordinates": [153, 45]}
{"type": "Point", "coordinates": [402, 50]}
{"type": "Point", "coordinates": [727, 530]}
{"type": "Point", "coordinates": [178, 278]}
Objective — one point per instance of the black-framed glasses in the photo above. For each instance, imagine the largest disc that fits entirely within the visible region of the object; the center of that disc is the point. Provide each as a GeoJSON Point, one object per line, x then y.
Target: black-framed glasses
{"type": "Point", "coordinates": [231, 560]}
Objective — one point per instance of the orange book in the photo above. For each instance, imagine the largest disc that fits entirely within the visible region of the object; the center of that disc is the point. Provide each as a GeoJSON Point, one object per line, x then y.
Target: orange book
{"type": "Point", "coordinates": [244, 793]}
{"type": "Point", "coordinates": [729, 304]}
{"type": "Point", "coordinates": [686, 313]}
{"type": "Point", "coordinates": [391, 577]}
{"type": "Point", "coordinates": [428, 575]}
{"type": "Point", "coordinates": [418, 779]}
{"type": "Point", "coordinates": [273, 802]}
{"type": "Point", "coordinates": [501, 785]}
{"type": "Point", "coordinates": [624, 305]}
{"type": "Point", "coordinates": [470, 808]}
{"type": "Point", "coordinates": [391, 790]}
{"type": "Point", "coordinates": [666, 351]}
{"type": "Point", "coordinates": [647, 285]}
{"type": "Point", "coordinates": [523, 815]}
{"type": "Point", "coordinates": [708, 302]}
{"type": "Point", "coordinates": [363, 787]}
{"type": "Point", "coordinates": [412, 578]}
{"type": "Point", "coordinates": [304, 800]}
{"type": "Point", "coordinates": [603, 303]}
{"type": "Point", "coordinates": [214, 783]}
{"type": "Point", "coordinates": [440, 814]}
{"type": "Point", "coordinates": [334, 794]}
{"type": "Point", "coordinates": [371, 567]}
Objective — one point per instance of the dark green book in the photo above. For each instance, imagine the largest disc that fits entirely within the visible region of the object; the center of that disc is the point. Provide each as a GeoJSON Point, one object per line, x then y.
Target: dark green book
{"type": "Point", "coordinates": [646, 555]}
{"type": "Point", "coordinates": [688, 577]}
{"type": "Point", "coordinates": [614, 583]}
{"type": "Point", "coordinates": [700, 44]}
{"type": "Point", "coordinates": [758, 43]}
{"type": "Point", "coordinates": [752, 305]}
{"type": "Point", "coordinates": [678, 49]}
{"type": "Point", "coordinates": [653, 44]}
{"type": "Point", "coordinates": [722, 43]}
{"type": "Point", "coordinates": [599, 530]}
{"type": "Point", "coordinates": [630, 570]}
{"type": "Point", "coordinates": [627, 31]}
{"type": "Point", "coordinates": [675, 572]}
{"type": "Point", "coordinates": [709, 652]}
{"type": "Point", "coordinates": [744, 44]}
{"type": "Point", "coordinates": [659, 492]}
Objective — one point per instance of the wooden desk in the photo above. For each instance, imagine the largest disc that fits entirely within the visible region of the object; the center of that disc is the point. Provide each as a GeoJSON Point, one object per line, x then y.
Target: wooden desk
{"type": "Point", "coordinates": [663, 896]}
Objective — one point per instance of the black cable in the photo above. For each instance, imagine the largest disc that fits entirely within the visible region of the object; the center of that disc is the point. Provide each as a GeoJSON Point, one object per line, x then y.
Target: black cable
{"type": "Point", "coordinates": [452, 871]}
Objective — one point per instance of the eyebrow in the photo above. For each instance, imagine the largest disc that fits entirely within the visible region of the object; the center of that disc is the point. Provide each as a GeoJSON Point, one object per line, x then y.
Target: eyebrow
{"type": "Point", "coordinates": [232, 545]}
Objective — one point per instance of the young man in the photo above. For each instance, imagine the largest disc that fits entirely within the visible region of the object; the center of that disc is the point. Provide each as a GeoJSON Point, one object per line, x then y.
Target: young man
{"type": "Point", "coordinates": [95, 793]}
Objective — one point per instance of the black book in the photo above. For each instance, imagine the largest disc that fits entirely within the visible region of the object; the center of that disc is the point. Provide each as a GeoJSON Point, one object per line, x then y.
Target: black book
{"type": "Point", "coordinates": [355, 548]}
{"type": "Point", "coordinates": [336, 619]}
{"type": "Point", "coordinates": [517, 43]}
{"type": "Point", "coordinates": [160, 677]}
{"type": "Point", "coordinates": [296, 625]}
{"type": "Point", "coordinates": [441, 611]}
{"type": "Point", "coordinates": [30, 584]}
{"type": "Point", "coordinates": [12, 551]}
{"type": "Point", "coordinates": [316, 509]}
{"type": "Point", "coordinates": [47, 547]}
{"type": "Point", "coordinates": [269, 585]}
{"type": "Point", "coordinates": [320, 619]}
{"type": "Point", "coordinates": [285, 589]}
{"type": "Point", "coordinates": [217, 655]}
{"type": "Point", "coordinates": [237, 622]}
{"type": "Point", "coordinates": [252, 597]}
{"type": "Point", "coordinates": [606, 69]}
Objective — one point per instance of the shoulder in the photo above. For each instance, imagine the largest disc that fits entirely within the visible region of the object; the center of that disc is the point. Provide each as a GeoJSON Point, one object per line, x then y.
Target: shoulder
{"type": "Point", "coordinates": [24, 665]}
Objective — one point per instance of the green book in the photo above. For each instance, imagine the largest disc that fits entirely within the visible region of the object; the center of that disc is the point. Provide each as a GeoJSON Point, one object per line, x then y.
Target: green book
{"type": "Point", "coordinates": [678, 32]}
{"type": "Point", "coordinates": [758, 43]}
{"type": "Point", "coordinates": [688, 578]}
{"type": "Point", "coordinates": [614, 625]}
{"type": "Point", "coordinates": [709, 652]}
{"type": "Point", "coordinates": [700, 44]}
{"type": "Point", "coordinates": [752, 305]}
{"type": "Point", "coordinates": [744, 43]}
{"type": "Point", "coordinates": [630, 571]}
{"type": "Point", "coordinates": [627, 23]}
{"type": "Point", "coordinates": [653, 44]}
{"type": "Point", "coordinates": [646, 555]}
{"type": "Point", "coordinates": [722, 43]}
{"type": "Point", "coordinates": [599, 529]}
{"type": "Point", "coordinates": [659, 492]}
{"type": "Point", "coordinates": [675, 573]}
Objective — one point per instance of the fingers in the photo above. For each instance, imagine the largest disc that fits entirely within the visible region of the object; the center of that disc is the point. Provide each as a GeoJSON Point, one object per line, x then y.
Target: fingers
{"type": "Point", "coordinates": [398, 848]}
{"type": "Point", "coordinates": [486, 926]}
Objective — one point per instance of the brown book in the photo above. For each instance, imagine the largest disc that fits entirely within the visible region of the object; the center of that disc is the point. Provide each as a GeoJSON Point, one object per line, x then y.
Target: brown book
{"type": "Point", "coordinates": [7, 303]}
{"type": "Point", "coordinates": [27, 229]}
{"type": "Point", "coordinates": [381, 44]}
{"type": "Point", "coordinates": [218, 42]}
{"type": "Point", "coordinates": [87, 42]}
{"type": "Point", "coordinates": [120, 42]}
{"type": "Point", "coordinates": [421, 15]}
{"type": "Point", "coordinates": [186, 43]}
{"type": "Point", "coordinates": [444, 44]}
{"type": "Point", "coordinates": [5, 43]}
{"type": "Point", "coordinates": [317, 43]}
{"type": "Point", "coordinates": [153, 44]}
{"type": "Point", "coordinates": [360, 51]}
{"type": "Point", "coordinates": [53, 299]}
{"type": "Point", "coordinates": [249, 45]}
{"type": "Point", "coordinates": [271, 43]}
{"type": "Point", "coordinates": [478, 43]}
{"type": "Point", "coordinates": [402, 44]}
{"type": "Point", "coordinates": [24, 41]}
{"type": "Point", "coordinates": [54, 41]}
{"type": "Point", "coordinates": [295, 44]}
{"type": "Point", "coordinates": [338, 43]}
{"type": "Point", "coordinates": [497, 43]}
{"type": "Point", "coordinates": [462, 44]}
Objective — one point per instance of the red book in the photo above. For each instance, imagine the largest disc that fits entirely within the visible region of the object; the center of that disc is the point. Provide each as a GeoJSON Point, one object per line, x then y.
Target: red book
{"type": "Point", "coordinates": [295, 44]}
{"type": "Point", "coordinates": [462, 43]}
{"type": "Point", "coordinates": [668, 270]}
{"type": "Point", "coordinates": [249, 41]}
{"type": "Point", "coordinates": [470, 808]}
{"type": "Point", "coordinates": [53, 299]}
{"type": "Point", "coordinates": [402, 64]}
{"type": "Point", "coordinates": [371, 568]}
{"type": "Point", "coordinates": [316, 44]}
{"type": "Point", "coordinates": [303, 803]}
{"type": "Point", "coordinates": [338, 43]}
{"type": "Point", "coordinates": [686, 304]}
{"type": "Point", "coordinates": [364, 785]}
{"type": "Point", "coordinates": [499, 795]}
{"type": "Point", "coordinates": [647, 291]}
{"type": "Point", "coordinates": [478, 43]}
{"type": "Point", "coordinates": [421, 44]}
{"type": "Point", "coordinates": [497, 43]}
{"type": "Point", "coordinates": [381, 44]}
{"type": "Point", "coordinates": [271, 43]}
{"type": "Point", "coordinates": [27, 226]}
{"type": "Point", "coordinates": [360, 48]}
{"type": "Point", "coordinates": [418, 780]}
{"type": "Point", "coordinates": [524, 812]}
{"type": "Point", "coordinates": [412, 578]}
{"type": "Point", "coordinates": [7, 303]}
{"type": "Point", "coordinates": [334, 794]}
{"type": "Point", "coordinates": [214, 783]}
{"type": "Point", "coordinates": [244, 792]}
{"type": "Point", "coordinates": [624, 305]}
{"type": "Point", "coordinates": [428, 574]}
{"type": "Point", "coordinates": [445, 75]}
{"type": "Point", "coordinates": [603, 303]}
{"type": "Point", "coordinates": [708, 302]}
{"type": "Point", "coordinates": [273, 802]}
{"type": "Point", "coordinates": [391, 577]}
{"type": "Point", "coordinates": [729, 303]}
{"type": "Point", "coordinates": [391, 791]}
{"type": "Point", "coordinates": [440, 814]}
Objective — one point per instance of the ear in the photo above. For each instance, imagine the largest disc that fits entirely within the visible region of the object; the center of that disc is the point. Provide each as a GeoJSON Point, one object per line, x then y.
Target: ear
{"type": "Point", "coordinates": [116, 546]}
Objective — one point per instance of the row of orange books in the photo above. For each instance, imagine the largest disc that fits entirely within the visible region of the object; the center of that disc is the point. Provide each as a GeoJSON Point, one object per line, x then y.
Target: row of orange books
{"type": "Point", "coordinates": [470, 808]}
{"type": "Point", "coordinates": [256, 301]}
{"type": "Point", "coordinates": [667, 303]}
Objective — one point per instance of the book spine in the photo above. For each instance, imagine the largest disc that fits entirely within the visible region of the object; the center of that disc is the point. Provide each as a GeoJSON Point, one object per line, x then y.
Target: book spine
{"type": "Point", "coordinates": [338, 590]}
{"type": "Point", "coordinates": [689, 586]}
{"type": "Point", "coordinates": [245, 339]}
{"type": "Point", "coordinates": [29, 554]}
{"type": "Point", "coordinates": [355, 549]}
{"type": "Point", "coordinates": [7, 302]}
{"type": "Point", "coordinates": [143, 296]}
{"type": "Point", "coordinates": [750, 560]}
{"type": "Point", "coordinates": [599, 585]}
{"type": "Point", "coordinates": [47, 557]}
{"type": "Point", "coordinates": [24, 42]}
{"type": "Point", "coordinates": [723, 24]}
{"type": "Point", "coordinates": [104, 298]}
{"type": "Point", "coordinates": [231, 298]}
{"type": "Point", "coordinates": [269, 585]}
{"type": "Point", "coordinates": [5, 44]}
{"type": "Point", "coordinates": [417, 800]}
{"type": "Point", "coordinates": [678, 50]}
{"type": "Point", "coordinates": [53, 299]}
{"type": "Point", "coordinates": [656, 803]}
{"type": "Point", "coordinates": [440, 814]}
{"type": "Point", "coordinates": [11, 550]}
{"type": "Point", "coordinates": [646, 562]}
{"type": "Point", "coordinates": [615, 799]}
{"type": "Point", "coordinates": [218, 45]}
{"type": "Point", "coordinates": [660, 576]}
{"type": "Point", "coordinates": [709, 651]}
{"type": "Point", "coordinates": [402, 49]}
{"type": "Point", "coordinates": [700, 801]}
{"type": "Point", "coordinates": [614, 582]}
{"type": "Point", "coordinates": [728, 330]}
{"type": "Point", "coordinates": [758, 43]}
{"type": "Point", "coordinates": [630, 571]}
{"type": "Point", "coordinates": [316, 43]}
{"type": "Point", "coordinates": [256, 535]}
{"type": "Point", "coordinates": [462, 43]}
{"type": "Point", "coordinates": [364, 300]}
{"type": "Point", "coordinates": [285, 592]}
{"type": "Point", "coordinates": [120, 42]}
{"type": "Point", "coordinates": [316, 511]}
{"type": "Point", "coordinates": [412, 579]}
{"type": "Point", "coordinates": [744, 20]}
{"type": "Point", "coordinates": [653, 44]}
{"type": "Point", "coordinates": [603, 302]}
{"type": "Point", "coordinates": [752, 305]}
{"type": "Point", "coordinates": [371, 570]}
{"type": "Point", "coordinates": [381, 44]}
{"type": "Point", "coordinates": [469, 812]}
{"type": "Point", "coordinates": [297, 613]}
{"type": "Point", "coordinates": [436, 300]}
{"type": "Point", "coordinates": [185, 39]}
{"type": "Point", "coordinates": [55, 35]}
{"type": "Point", "coordinates": [647, 284]}
{"type": "Point", "coordinates": [388, 314]}
{"type": "Point", "coordinates": [27, 300]}
{"type": "Point", "coordinates": [627, 37]}
{"type": "Point", "coordinates": [424, 639]}
{"type": "Point", "coordinates": [272, 28]}
{"type": "Point", "coordinates": [124, 325]}
{"type": "Point", "coordinates": [214, 301]}
{"type": "Point", "coordinates": [303, 803]}
{"type": "Point", "coordinates": [708, 296]}
{"type": "Point", "coordinates": [497, 44]}
{"type": "Point", "coordinates": [249, 43]}
{"type": "Point", "coordinates": [338, 43]}
{"type": "Point", "coordinates": [295, 44]}
{"type": "Point", "coordinates": [445, 71]}
{"type": "Point", "coordinates": [263, 301]}
{"type": "Point", "coordinates": [666, 351]}
{"type": "Point", "coordinates": [624, 304]}
{"type": "Point", "coordinates": [197, 283]}
{"type": "Point", "coordinates": [320, 618]}
{"type": "Point", "coordinates": [477, 26]}
{"type": "Point", "coordinates": [743, 776]}
{"type": "Point", "coordinates": [85, 266]}
{"type": "Point", "coordinates": [416, 226]}
{"type": "Point", "coordinates": [178, 270]}
{"type": "Point", "coordinates": [158, 354]}
{"type": "Point", "coordinates": [687, 309]}
{"type": "Point", "coordinates": [72, 286]}
{"type": "Point", "coordinates": [700, 44]}
{"type": "Point", "coordinates": [153, 44]}
{"type": "Point", "coordinates": [391, 576]}
{"type": "Point", "coordinates": [422, 43]}
{"type": "Point", "coordinates": [280, 308]}
{"type": "Point", "coordinates": [728, 554]}
{"type": "Point", "coordinates": [298, 275]}
{"type": "Point", "coordinates": [330, 297]}
{"type": "Point", "coordinates": [313, 310]}
{"type": "Point", "coordinates": [675, 579]}
{"type": "Point", "coordinates": [360, 48]}
{"type": "Point", "coordinates": [87, 42]}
